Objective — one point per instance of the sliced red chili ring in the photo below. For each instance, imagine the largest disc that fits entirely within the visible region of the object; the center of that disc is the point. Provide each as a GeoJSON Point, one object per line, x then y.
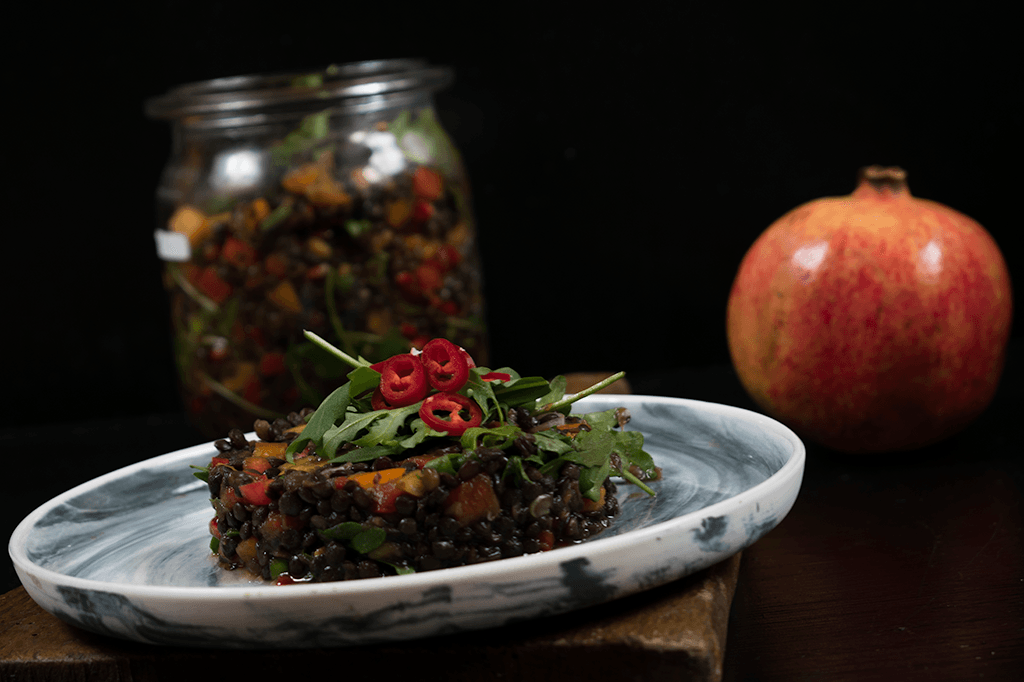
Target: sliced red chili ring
{"type": "Point", "coordinates": [403, 380]}
{"type": "Point", "coordinates": [446, 364]}
{"type": "Point", "coordinates": [496, 376]}
{"type": "Point", "coordinates": [451, 413]}
{"type": "Point", "coordinates": [377, 401]}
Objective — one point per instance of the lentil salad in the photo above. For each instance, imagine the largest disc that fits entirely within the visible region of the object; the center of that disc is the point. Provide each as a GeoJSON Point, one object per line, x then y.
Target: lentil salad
{"type": "Point", "coordinates": [363, 488]}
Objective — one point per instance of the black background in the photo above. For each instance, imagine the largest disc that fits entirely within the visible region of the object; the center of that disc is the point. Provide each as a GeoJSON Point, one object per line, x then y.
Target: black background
{"type": "Point", "coordinates": [624, 159]}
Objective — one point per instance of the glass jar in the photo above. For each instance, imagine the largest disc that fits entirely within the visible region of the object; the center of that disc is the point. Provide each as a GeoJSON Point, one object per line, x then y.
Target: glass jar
{"type": "Point", "coordinates": [332, 202]}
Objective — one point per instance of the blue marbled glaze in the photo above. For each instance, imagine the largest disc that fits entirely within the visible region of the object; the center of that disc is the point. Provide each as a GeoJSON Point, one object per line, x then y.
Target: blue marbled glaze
{"type": "Point", "coordinates": [127, 554]}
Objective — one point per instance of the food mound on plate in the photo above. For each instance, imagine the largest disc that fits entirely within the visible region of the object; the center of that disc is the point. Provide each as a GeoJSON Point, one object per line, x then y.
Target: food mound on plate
{"type": "Point", "coordinates": [419, 462]}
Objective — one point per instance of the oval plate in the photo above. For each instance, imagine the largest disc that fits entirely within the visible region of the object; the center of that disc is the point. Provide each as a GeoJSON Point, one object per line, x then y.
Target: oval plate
{"type": "Point", "coordinates": [127, 554]}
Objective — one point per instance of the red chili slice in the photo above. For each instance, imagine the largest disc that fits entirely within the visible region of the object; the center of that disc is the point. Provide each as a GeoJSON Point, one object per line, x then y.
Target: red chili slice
{"type": "Point", "coordinates": [496, 376]}
{"type": "Point", "coordinates": [377, 401]}
{"type": "Point", "coordinates": [447, 368]}
{"type": "Point", "coordinates": [451, 413]}
{"type": "Point", "coordinates": [403, 380]}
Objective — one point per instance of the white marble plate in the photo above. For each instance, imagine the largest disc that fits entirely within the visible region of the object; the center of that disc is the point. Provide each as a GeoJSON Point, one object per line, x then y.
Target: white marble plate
{"type": "Point", "coordinates": [127, 554]}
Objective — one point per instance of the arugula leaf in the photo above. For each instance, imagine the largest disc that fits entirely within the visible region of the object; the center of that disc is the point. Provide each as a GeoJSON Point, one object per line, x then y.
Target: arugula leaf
{"type": "Point", "coordinates": [593, 448]}
{"type": "Point", "coordinates": [557, 390]}
{"type": "Point", "coordinates": [629, 446]}
{"type": "Point", "coordinates": [600, 421]}
{"type": "Point", "coordinates": [349, 430]}
{"type": "Point", "coordinates": [561, 405]}
{"type": "Point", "coordinates": [552, 467]}
{"type": "Point", "coordinates": [500, 437]}
{"type": "Point", "coordinates": [342, 532]}
{"type": "Point", "coordinates": [277, 567]}
{"type": "Point", "coordinates": [447, 463]}
{"type": "Point", "coordinates": [515, 470]}
{"type": "Point", "coordinates": [552, 441]}
{"type": "Point", "coordinates": [524, 391]}
{"type": "Point", "coordinates": [331, 410]}
{"type": "Point", "coordinates": [384, 424]}
{"type": "Point", "coordinates": [400, 570]}
{"type": "Point", "coordinates": [363, 380]}
{"type": "Point", "coordinates": [368, 540]}
{"type": "Point", "coordinates": [354, 535]}
{"type": "Point", "coordinates": [591, 480]}
{"type": "Point", "coordinates": [367, 454]}
{"type": "Point", "coordinates": [483, 393]}
{"type": "Point", "coordinates": [420, 432]}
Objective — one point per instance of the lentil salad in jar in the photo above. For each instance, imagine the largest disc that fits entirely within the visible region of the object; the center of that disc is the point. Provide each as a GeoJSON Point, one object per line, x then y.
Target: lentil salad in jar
{"type": "Point", "coordinates": [332, 202]}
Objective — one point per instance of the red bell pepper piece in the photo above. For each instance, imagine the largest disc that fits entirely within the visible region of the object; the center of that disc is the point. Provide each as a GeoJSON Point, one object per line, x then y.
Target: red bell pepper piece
{"type": "Point", "coordinates": [210, 283]}
{"type": "Point", "coordinates": [228, 496]}
{"type": "Point", "coordinates": [447, 256]}
{"type": "Point", "coordinates": [403, 380]}
{"type": "Point", "coordinates": [444, 412]}
{"type": "Point", "coordinates": [384, 496]}
{"type": "Point", "coordinates": [238, 253]}
{"type": "Point", "coordinates": [272, 364]}
{"type": "Point", "coordinates": [429, 277]}
{"type": "Point", "coordinates": [447, 369]}
{"type": "Point", "coordinates": [473, 500]}
{"type": "Point", "coordinates": [427, 183]}
{"type": "Point", "coordinates": [422, 211]}
{"type": "Point", "coordinates": [256, 463]}
{"type": "Point", "coordinates": [421, 460]}
{"type": "Point", "coordinates": [256, 492]}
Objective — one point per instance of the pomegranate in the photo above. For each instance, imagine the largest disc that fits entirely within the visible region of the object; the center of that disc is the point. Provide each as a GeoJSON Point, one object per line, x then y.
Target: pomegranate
{"type": "Point", "coordinates": [873, 322]}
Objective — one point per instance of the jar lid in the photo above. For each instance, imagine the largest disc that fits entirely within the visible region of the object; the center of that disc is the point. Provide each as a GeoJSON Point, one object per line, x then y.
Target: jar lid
{"type": "Point", "coordinates": [365, 83]}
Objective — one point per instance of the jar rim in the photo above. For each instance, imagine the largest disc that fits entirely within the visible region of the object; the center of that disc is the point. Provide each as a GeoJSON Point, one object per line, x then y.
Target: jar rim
{"type": "Point", "coordinates": [332, 85]}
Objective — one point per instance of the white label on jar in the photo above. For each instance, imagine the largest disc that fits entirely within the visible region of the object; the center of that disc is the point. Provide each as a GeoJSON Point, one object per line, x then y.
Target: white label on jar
{"type": "Point", "coordinates": [172, 246]}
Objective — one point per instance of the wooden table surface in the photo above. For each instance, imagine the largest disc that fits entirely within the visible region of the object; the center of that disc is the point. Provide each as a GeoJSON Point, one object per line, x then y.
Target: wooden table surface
{"type": "Point", "coordinates": [895, 567]}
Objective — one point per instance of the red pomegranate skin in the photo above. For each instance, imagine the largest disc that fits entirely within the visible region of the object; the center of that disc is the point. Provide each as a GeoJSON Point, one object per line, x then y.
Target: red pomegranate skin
{"type": "Point", "coordinates": [873, 322]}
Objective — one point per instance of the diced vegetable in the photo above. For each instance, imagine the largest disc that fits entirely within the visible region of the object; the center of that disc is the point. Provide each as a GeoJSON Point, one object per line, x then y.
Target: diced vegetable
{"type": "Point", "coordinates": [256, 492]}
{"type": "Point", "coordinates": [285, 297]}
{"type": "Point", "coordinates": [246, 551]}
{"type": "Point", "coordinates": [427, 184]}
{"type": "Point", "coordinates": [211, 285]}
{"type": "Point", "coordinates": [238, 253]}
{"type": "Point", "coordinates": [259, 462]}
{"type": "Point", "coordinates": [371, 479]}
{"type": "Point", "coordinates": [473, 500]}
